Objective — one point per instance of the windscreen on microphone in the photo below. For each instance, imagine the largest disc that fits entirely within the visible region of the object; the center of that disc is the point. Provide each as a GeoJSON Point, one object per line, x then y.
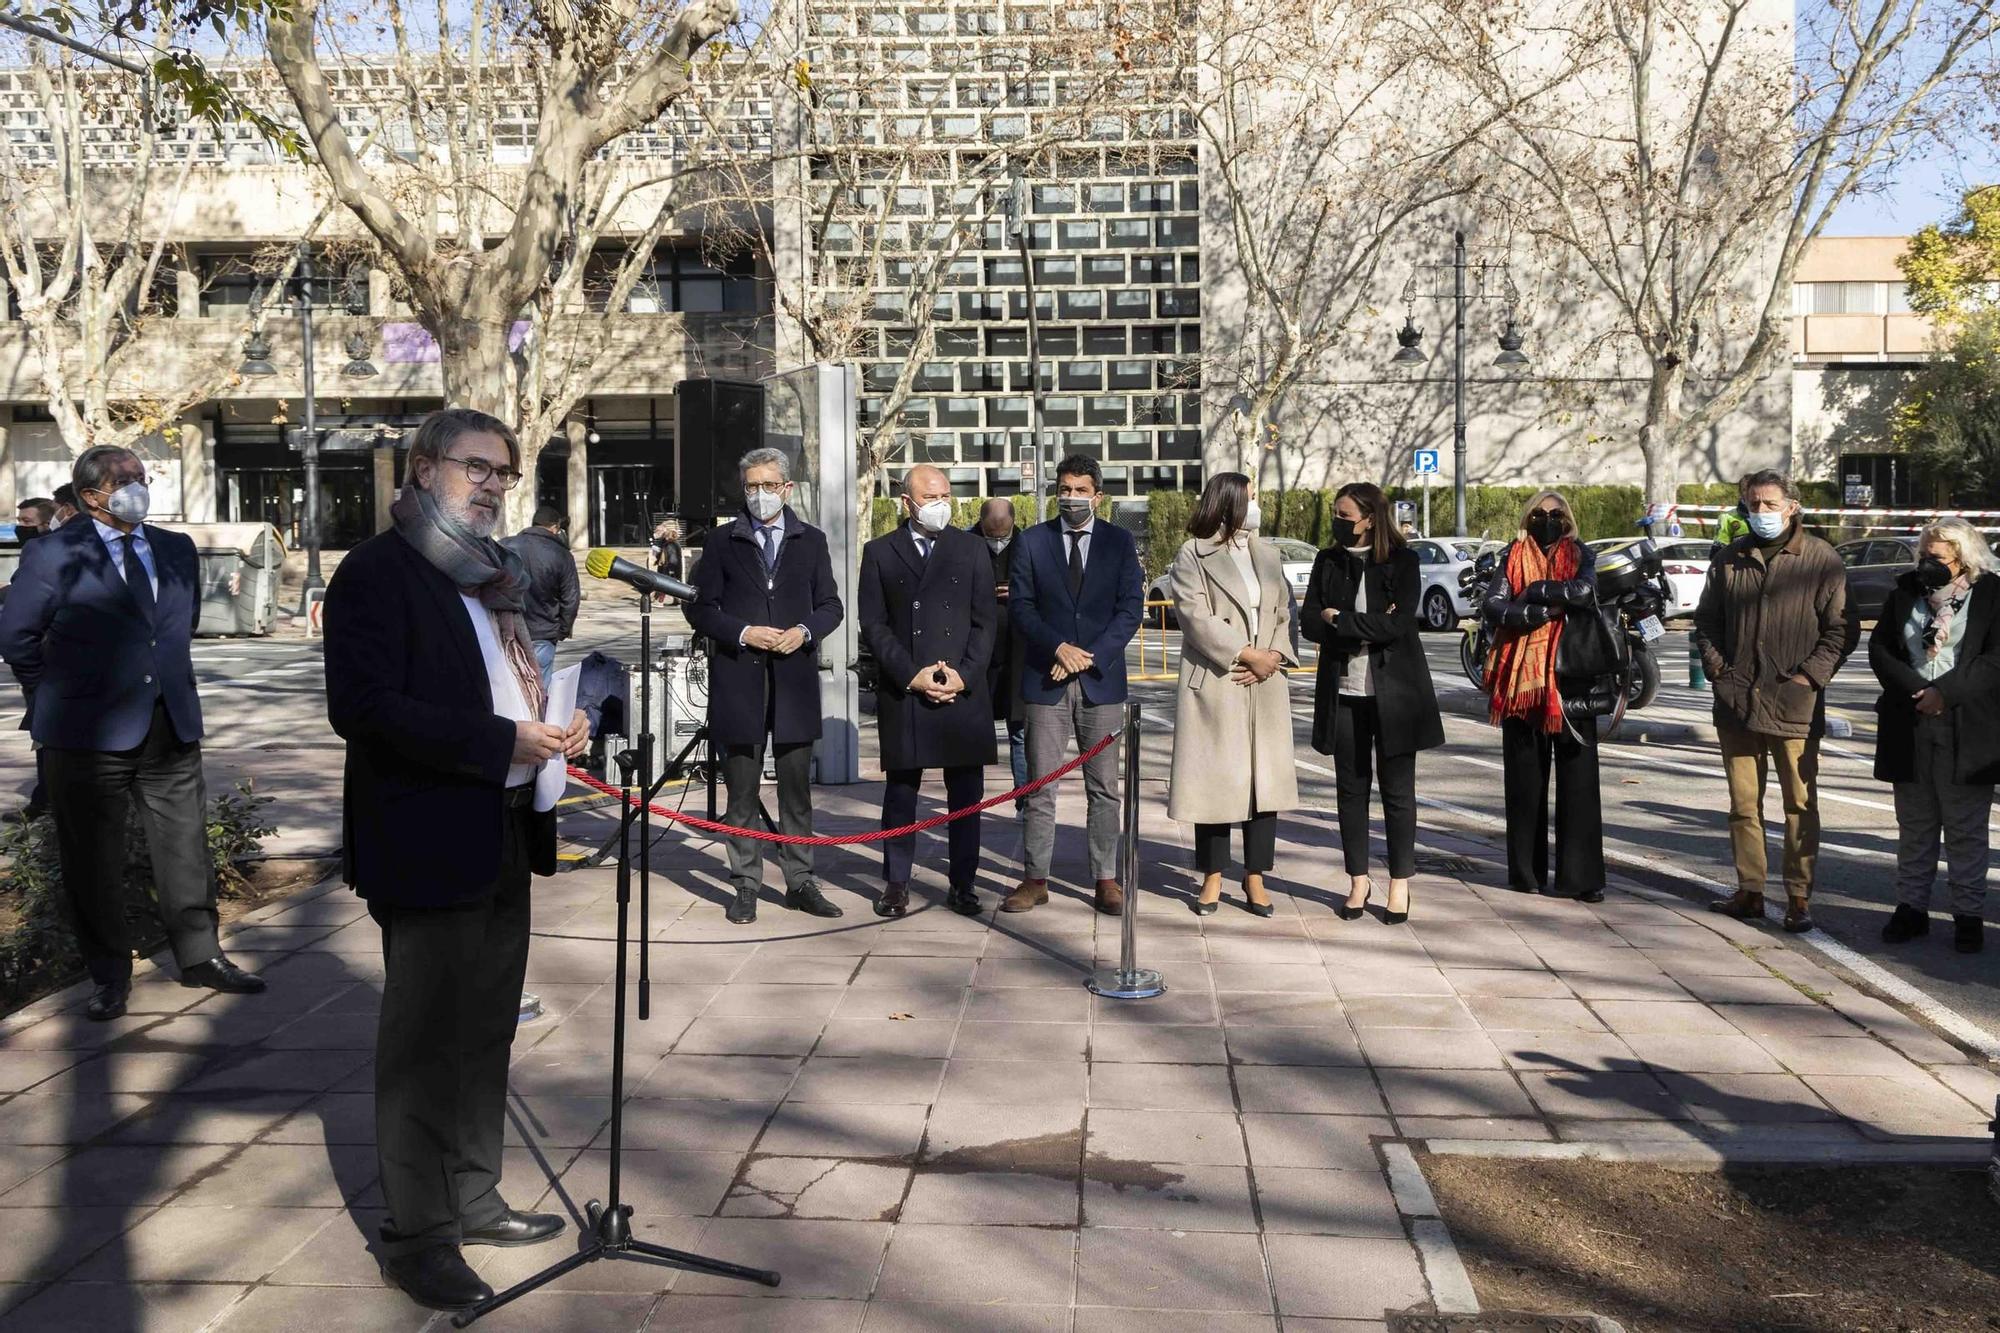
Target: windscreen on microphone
{"type": "Point", "coordinates": [598, 563]}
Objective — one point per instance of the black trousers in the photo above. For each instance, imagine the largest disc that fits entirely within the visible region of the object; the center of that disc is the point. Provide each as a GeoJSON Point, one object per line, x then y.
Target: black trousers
{"type": "Point", "coordinates": [38, 799]}
{"type": "Point", "coordinates": [963, 786]}
{"type": "Point", "coordinates": [1528, 753]}
{"type": "Point", "coordinates": [1357, 748]}
{"type": "Point", "coordinates": [1260, 845]}
{"type": "Point", "coordinates": [450, 1002]}
{"type": "Point", "coordinates": [91, 794]}
{"type": "Point", "coordinates": [743, 775]}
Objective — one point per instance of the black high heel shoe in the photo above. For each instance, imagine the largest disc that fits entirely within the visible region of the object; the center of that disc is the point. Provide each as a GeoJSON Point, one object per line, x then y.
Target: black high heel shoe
{"type": "Point", "coordinates": [1347, 913]}
{"type": "Point", "coordinates": [1258, 909]}
{"type": "Point", "coordinates": [1200, 908]}
{"type": "Point", "coordinates": [1397, 918]}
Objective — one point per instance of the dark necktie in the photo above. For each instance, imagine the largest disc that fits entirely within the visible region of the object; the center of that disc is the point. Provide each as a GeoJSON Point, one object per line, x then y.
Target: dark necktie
{"type": "Point", "coordinates": [769, 537]}
{"type": "Point", "coordinates": [923, 548]}
{"type": "Point", "coordinates": [136, 578]}
{"type": "Point", "coordinates": [1075, 563]}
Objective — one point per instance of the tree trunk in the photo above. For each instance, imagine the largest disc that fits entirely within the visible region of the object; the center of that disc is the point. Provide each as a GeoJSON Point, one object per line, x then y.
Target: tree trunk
{"type": "Point", "coordinates": [1658, 436]}
{"type": "Point", "coordinates": [479, 373]}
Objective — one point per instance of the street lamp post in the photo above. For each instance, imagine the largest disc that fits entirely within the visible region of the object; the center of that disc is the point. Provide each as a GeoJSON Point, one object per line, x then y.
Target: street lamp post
{"type": "Point", "coordinates": [1410, 336]}
{"type": "Point", "coordinates": [1017, 227]}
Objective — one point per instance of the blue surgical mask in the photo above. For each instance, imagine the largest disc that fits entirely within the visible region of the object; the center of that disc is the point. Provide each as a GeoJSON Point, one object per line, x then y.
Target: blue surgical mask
{"type": "Point", "coordinates": [1767, 527]}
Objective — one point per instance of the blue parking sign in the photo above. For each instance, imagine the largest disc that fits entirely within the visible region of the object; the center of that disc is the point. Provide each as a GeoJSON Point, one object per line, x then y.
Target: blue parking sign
{"type": "Point", "coordinates": [1427, 461]}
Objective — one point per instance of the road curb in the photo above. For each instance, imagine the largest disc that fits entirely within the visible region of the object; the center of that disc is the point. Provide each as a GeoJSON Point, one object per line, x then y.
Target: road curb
{"type": "Point", "coordinates": [1716, 1156]}
{"type": "Point", "coordinates": [1444, 1272]}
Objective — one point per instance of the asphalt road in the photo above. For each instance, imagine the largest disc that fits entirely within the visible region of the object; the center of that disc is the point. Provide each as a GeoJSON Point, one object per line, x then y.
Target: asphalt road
{"type": "Point", "coordinates": [1665, 801]}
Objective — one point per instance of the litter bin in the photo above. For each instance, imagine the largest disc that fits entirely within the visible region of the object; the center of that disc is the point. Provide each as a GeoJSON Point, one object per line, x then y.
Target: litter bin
{"type": "Point", "coordinates": [240, 565]}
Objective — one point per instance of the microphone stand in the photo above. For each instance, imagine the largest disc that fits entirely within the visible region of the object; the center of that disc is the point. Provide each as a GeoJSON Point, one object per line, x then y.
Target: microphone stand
{"type": "Point", "coordinates": [610, 1222]}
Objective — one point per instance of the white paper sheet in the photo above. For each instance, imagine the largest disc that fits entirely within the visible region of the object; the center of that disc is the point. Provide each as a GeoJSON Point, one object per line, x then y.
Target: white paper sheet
{"type": "Point", "coordinates": [549, 783]}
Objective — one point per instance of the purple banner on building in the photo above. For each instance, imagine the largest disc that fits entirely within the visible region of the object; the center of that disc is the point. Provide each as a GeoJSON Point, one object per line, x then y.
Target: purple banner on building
{"type": "Point", "coordinates": [407, 343]}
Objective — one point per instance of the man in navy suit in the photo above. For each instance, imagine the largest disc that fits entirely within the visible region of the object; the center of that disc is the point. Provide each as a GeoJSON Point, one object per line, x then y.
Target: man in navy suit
{"type": "Point", "coordinates": [926, 611]}
{"type": "Point", "coordinates": [1077, 598]}
{"type": "Point", "coordinates": [99, 624]}
{"type": "Point", "coordinates": [767, 597]}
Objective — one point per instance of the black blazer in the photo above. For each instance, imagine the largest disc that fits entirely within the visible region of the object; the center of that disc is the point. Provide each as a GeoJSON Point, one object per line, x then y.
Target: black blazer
{"type": "Point", "coordinates": [915, 612]}
{"type": "Point", "coordinates": [1405, 701]}
{"type": "Point", "coordinates": [1971, 689]}
{"type": "Point", "coordinates": [735, 593]}
{"type": "Point", "coordinates": [427, 757]}
{"type": "Point", "coordinates": [75, 636]}
{"type": "Point", "coordinates": [1003, 670]}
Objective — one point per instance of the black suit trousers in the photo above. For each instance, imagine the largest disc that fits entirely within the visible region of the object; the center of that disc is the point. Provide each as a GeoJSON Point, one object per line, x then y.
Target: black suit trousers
{"type": "Point", "coordinates": [91, 794]}
{"type": "Point", "coordinates": [450, 1001]}
{"type": "Point", "coordinates": [1528, 754]}
{"type": "Point", "coordinates": [963, 786]}
{"type": "Point", "coordinates": [1358, 757]}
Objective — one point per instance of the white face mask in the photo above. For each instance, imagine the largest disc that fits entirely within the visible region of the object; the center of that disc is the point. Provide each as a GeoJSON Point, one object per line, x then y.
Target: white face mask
{"type": "Point", "coordinates": [764, 506]}
{"type": "Point", "coordinates": [998, 544]}
{"type": "Point", "coordinates": [932, 517]}
{"type": "Point", "coordinates": [130, 503]}
{"type": "Point", "coordinates": [1768, 526]}
{"type": "Point", "coordinates": [1253, 517]}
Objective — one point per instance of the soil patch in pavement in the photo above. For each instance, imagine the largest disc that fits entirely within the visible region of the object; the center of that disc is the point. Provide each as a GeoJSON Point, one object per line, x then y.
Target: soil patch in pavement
{"type": "Point", "coordinates": [1799, 1249]}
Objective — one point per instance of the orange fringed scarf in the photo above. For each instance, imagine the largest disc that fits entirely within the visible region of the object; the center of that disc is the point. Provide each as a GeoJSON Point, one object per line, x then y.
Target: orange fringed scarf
{"type": "Point", "coordinates": [1521, 668]}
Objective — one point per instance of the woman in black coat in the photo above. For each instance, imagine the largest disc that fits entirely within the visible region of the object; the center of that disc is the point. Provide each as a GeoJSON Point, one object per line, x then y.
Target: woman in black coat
{"type": "Point", "coordinates": [1373, 705]}
{"type": "Point", "coordinates": [1936, 650]}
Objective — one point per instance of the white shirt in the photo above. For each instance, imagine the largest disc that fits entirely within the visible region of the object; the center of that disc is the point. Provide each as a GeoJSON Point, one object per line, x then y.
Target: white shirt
{"type": "Point", "coordinates": [114, 542]}
{"type": "Point", "coordinates": [1088, 530]}
{"type": "Point", "coordinates": [508, 701]}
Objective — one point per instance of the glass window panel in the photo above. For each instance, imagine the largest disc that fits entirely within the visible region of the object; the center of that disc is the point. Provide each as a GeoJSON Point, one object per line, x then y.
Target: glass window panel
{"type": "Point", "coordinates": [1104, 411]}
{"type": "Point", "coordinates": [1081, 305]}
{"type": "Point", "coordinates": [1006, 411]}
{"type": "Point", "coordinates": [1107, 199]}
{"type": "Point", "coordinates": [1058, 342]}
{"type": "Point", "coordinates": [1053, 199]}
{"type": "Point", "coordinates": [1131, 305]}
{"type": "Point", "coordinates": [1104, 268]}
{"type": "Point", "coordinates": [1060, 410]}
{"type": "Point", "coordinates": [1131, 232]}
{"type": "Point", "coordinates": [1108, 340]}
{"type": "Point", "coordinates": [1006, 342]}
{"type": "Point", "coordinates": [1081, 375]}
{"type": "Point", "coordinates": [1179, 232]}
{"type": "Point", "coordinates": [1131, 374]}
{"type": "Point", "coordinates": [1081, 235]}
{"type": "Point", "coordinates": [958, 412]}
{"type": "Point", "coordinates": [1003, 272]}
{"type": "Point", "coordinates": [1180, 303]}
{"type": "Point", "coordinates": [1055, 269]}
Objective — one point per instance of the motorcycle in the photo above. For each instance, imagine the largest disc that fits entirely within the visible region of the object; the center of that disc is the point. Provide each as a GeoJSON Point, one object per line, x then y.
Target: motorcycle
{"type": "Point", "coordinates": [1630, 580]}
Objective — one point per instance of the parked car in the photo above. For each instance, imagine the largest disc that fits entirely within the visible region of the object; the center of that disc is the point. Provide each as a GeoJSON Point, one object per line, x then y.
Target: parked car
{"type": "Point", "coordinates": [1444, 601]}
{"type": "Point", "coordinates": [1297, 557]}
{"type": "Point", "coordinates": [1873, 566]}
{"type": "Point", "coordinates": [1685, 563]}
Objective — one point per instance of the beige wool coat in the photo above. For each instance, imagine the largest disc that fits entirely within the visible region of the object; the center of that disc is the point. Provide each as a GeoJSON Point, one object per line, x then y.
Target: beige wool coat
{"type": "Point", "coordinates": [1233, 748]}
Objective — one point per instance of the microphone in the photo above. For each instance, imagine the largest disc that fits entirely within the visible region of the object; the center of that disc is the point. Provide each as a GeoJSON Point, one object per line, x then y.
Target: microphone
{"type": "Point", "coordinates": [604, 563]}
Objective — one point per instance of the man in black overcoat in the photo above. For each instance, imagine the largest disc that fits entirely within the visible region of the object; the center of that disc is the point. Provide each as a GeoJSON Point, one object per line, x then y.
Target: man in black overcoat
{"type": "Point", "coordinates": [767, 599]}
{"type": "Point", "coordinates": [927, 614]}
{"type": "Point", "coordinates": [432, 682]}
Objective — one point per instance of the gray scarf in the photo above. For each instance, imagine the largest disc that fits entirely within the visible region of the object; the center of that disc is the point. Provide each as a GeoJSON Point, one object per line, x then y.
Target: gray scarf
{"type": "Point", "coordinates": [482, 569]}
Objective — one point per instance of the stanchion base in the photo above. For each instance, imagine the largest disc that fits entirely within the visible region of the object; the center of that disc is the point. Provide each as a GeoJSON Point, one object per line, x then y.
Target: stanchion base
{"type": "Point", "coordinates": [1141, 983]}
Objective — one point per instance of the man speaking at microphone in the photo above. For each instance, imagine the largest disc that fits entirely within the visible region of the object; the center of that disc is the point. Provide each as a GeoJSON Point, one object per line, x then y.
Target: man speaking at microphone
{"type": "Point", "coordinates": [432, 682]}
{"type": "Point", "coordinates": [765, 596]}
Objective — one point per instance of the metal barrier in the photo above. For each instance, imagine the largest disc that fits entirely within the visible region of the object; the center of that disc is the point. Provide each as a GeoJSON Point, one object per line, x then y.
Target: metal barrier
{"type": "Point", "coordinates": [1129, 981]}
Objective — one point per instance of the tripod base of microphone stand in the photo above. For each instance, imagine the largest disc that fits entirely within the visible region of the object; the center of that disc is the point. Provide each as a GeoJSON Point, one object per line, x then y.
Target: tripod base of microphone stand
{"type": "Point", "coordinates": [1141, 983]}
{"type": "Point", "coordinates": [611, 1238]}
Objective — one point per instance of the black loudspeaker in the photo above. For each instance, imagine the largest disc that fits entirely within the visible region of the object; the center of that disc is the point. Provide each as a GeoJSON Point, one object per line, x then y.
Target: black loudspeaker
{"type": "Point", "coordinates": [716, 423]}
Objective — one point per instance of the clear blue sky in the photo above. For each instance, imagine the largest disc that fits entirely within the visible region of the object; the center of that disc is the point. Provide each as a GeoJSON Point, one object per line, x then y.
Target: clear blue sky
{"type": "Point", "coordinates": [1922, 190]}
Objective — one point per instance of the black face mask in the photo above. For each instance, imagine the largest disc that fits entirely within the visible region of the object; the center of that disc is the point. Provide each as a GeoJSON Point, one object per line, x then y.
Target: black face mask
{"type": "Point", "coordinates": [1343, 533]}
{"type": "Point", "coordinates": [26, 532]}
{"type": "Point", "coordinates": [1932, 573]}
{"type": "Point", "coordinates": [1547, 526]}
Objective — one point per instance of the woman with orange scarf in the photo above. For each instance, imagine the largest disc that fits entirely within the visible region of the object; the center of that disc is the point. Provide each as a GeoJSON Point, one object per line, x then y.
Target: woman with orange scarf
{"type": "Point", "coordinates": [1545, 574]}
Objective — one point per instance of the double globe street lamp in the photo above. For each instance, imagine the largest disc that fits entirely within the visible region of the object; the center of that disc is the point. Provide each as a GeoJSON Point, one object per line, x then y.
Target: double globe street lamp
{"type": "Point", "coordinates": [1409, 340]}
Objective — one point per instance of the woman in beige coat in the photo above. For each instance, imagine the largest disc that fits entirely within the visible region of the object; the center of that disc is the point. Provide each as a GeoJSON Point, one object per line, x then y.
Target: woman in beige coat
{"type": "Point", "coordinates": [1234, 761]}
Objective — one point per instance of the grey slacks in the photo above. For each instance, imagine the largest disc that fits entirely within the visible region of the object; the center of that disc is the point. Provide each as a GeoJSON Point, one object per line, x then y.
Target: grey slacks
{"type": "Point", "coordinates": [1051, 727]}
{"type": "Point", "coordinates": [1935, 805]}
{"type": "Point", "coordinates": [742, 774]}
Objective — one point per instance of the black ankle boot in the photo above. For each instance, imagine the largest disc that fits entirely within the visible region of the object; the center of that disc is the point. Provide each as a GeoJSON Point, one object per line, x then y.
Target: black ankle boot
{"type": "Point", "coordinates": [1906, 923]}
{"type": "Point", "coordinates": [1968, 934]}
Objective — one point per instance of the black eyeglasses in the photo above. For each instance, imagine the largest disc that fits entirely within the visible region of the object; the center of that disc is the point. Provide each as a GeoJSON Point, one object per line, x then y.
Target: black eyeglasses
{"type": "Point", "coordinates": [478, 470]}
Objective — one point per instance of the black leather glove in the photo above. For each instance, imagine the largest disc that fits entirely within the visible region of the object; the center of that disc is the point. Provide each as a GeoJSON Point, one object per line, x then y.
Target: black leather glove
{"type": "Point", "coordinates": [1578, 592]}
{"type": "Point", "coordinates": [1545, 592]}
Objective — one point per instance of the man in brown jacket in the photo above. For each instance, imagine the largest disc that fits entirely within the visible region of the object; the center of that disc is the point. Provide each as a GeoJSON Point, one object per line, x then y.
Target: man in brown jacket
{"type": "Point", "coordinates": [1773, 627]}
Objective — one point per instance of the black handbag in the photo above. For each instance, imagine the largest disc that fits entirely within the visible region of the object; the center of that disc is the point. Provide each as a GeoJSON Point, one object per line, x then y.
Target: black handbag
{"type": "Point", "coordinates": [1593, 662]}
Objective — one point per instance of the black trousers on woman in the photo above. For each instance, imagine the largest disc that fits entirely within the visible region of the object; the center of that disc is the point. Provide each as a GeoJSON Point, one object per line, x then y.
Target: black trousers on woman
{"type": "Point", "coordinates": [1357, 748]}
{"type": "Point", "coordinates": [1528, 754]}
{"type": "Point", "coordinates": [1260, 845]}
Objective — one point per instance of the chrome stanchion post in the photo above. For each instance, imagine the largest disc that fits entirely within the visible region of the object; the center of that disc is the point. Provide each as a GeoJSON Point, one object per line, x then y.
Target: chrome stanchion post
{"type": "Point", "coordinates": [1129, 981]}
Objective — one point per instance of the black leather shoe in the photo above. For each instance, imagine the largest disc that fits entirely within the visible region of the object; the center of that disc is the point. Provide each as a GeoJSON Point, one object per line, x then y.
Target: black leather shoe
{"type": "Point", "coordinates": [517, 1229]}
{"type": "Point", "coordinates": [1905, 923]}
{"type": "Point", "coordinates": [895, 900]}
{"type": "Point", "coordinates": [1968, 933]}
{"type": "Point", "coordinates": [744, 910]}
{"type": "Point", "coordinates": [962, 899]}
{"type": "Point", "coordinates": [808, 899]}
{"type": "Point", "coordinates": [108, 1002]}
{"type": "Point", "coordinates": [1591, 896]}
{"type": "Point", "coordinates": [436, 1277]}
{"type": "Point", "coordinates": [218, 973]}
